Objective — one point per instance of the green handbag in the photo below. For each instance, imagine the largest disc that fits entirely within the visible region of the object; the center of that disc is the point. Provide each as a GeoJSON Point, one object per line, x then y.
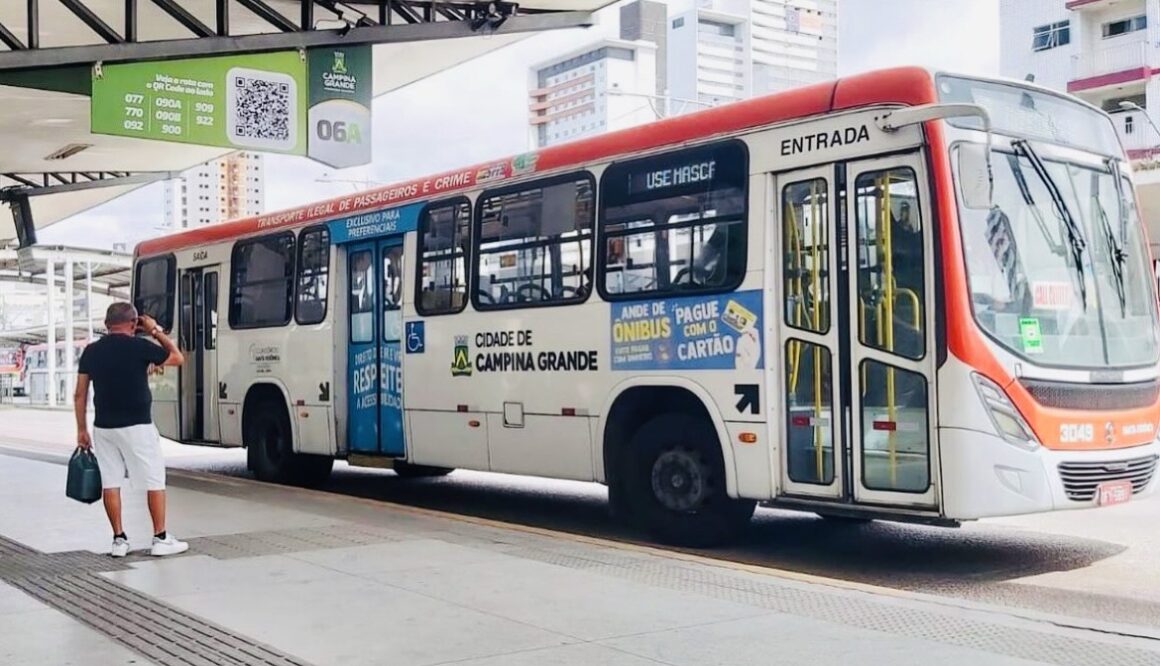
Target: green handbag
{"type": "Point", "coordinates": [84, 477]}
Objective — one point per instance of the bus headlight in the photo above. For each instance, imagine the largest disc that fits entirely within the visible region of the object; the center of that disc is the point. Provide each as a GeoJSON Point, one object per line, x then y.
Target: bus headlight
{"type": "Point", "coordinates": [1008, 422]}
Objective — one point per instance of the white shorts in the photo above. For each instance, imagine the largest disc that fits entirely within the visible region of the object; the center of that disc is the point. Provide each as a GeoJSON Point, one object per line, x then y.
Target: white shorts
{"type": "Point", "coordinates": [134, 451]}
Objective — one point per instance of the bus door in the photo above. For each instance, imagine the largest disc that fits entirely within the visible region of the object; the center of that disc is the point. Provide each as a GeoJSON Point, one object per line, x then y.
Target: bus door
{"type": "Point", "coordinates": [856, 343]}
{"type": "Point", "coordinates": [199, 378]}
{"type": "Point", "coordinates": [374, 363]}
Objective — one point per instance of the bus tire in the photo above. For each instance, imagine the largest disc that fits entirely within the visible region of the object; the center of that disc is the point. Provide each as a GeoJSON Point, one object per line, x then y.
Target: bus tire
{"type": "Point", "coordinates": [674, 484]}
{"type": "Point", "coordinates": [406, 470]}
{"type": "Point", "coordinates": [270, 450]}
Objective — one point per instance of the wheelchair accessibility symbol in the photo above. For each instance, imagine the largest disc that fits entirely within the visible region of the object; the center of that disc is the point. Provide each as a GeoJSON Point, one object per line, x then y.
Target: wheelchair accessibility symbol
{"type": "Point", "coordinates": [416, 336]}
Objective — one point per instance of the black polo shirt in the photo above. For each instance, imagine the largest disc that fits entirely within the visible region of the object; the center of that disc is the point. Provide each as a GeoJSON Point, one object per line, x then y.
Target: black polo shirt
{"type": "Point", "coordinates": [118, 367]}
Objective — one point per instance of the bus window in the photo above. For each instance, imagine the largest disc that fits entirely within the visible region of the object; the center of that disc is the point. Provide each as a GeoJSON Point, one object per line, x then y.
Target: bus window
{"type": "Point", "coordinates": [185, 306]}
{"type": "Point", "coordinates": [535, 244]}
{"type": "Point", "coordinates": [362, 297]}
{"type": "Point", "coordinates": [210, 286]}
{"type": "Point", "coordinates": [444, 235]}
{"type": "Point", "coordinates": [313, 271]}
{"type": "Point", "coordinates": [675, 222]}
{"type": "Point", "coordinates": [392, 293]}
{"type": "Point", "coordinates": [154, 284]}
{"type": "Point", "coordinates": [806, 246]}
{"type": "Point", "coordinates": [262, 281]}
{"type": "Point", "coordinates": [891, 286]}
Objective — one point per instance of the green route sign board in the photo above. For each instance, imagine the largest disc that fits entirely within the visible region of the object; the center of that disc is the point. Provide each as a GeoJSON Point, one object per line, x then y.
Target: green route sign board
{"type": "Point", "coordinates": [253, 101]}
{"type": "Point", "coordinates": [245, 102]}
{"type": "Point", "coordinates": [339, 116]}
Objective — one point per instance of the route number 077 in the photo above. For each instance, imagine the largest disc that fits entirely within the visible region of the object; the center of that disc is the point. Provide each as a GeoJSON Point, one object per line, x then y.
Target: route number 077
{"type": "Point", "coordinates": [134, 98]}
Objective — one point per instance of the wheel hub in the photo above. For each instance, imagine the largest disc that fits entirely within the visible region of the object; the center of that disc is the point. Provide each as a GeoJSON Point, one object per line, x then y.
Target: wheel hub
{"type": "Point", "coordinates": [678, 480]}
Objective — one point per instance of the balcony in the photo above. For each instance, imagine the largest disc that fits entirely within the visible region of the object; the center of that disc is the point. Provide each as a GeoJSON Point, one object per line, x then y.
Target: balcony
{"type": "Point", "coordinates": [1091, 5]}
{"type": "Point", "coordinates": [1109, 67]}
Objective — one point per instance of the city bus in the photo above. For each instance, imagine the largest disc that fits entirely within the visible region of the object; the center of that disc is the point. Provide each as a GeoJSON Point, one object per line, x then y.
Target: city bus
{"type": "Point", "coordinates": [902, 295]}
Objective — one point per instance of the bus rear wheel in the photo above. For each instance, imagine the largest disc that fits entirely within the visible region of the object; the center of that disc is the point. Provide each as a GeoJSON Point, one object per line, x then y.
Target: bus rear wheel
{"type": "Point", "coordinates": [270, 450]}
{"type": "Point", "coordinates": [674, 484]}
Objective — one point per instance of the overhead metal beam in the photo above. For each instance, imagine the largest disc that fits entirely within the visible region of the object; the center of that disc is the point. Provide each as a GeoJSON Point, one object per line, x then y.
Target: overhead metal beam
{"type": "Point", "coordinates": [271, 15]}
{"type": "Point", "coordinates": [10, 40]}
{"type": "Point", "coordinates": [33, 24]}
{"type": "Point", "coordinates": [375, 34]}
{"type": "Point", "coordinates": [89, 18]}
{"type": "Point", "coordinates": [115, 291]}
{"type": "Point", "coordinates": [223, 16]}
{"type": "Point", "coordinates": [75, 185]}
{"type": "Point", "coordinates": [186, 19]}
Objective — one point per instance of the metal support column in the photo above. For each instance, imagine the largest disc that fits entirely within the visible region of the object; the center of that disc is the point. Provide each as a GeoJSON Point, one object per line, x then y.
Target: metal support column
{"type": "Point", "coordinates": [70, 336]}
{"type": "Point", "coordinates": [50, 353]}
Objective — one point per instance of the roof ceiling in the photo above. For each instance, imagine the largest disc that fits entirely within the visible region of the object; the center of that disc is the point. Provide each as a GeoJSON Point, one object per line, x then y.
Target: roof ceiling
{"type": "Point", "coordinates": [35, 123]}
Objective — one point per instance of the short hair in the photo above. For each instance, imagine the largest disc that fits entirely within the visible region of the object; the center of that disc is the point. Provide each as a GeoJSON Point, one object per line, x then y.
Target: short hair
{"type": "Point", "coordinates": [120, 313]}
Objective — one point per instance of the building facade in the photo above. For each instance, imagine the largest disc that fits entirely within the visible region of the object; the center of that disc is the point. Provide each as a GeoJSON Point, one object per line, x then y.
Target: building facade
{"type": "Point", "coordinates": [225, 189]}
{"type": "Point", "coordinates": [720, 51]}
{"type": "Point", "coordinates": [608, 85]}
{"type": "Point", "coordinates": [605, 86]}
{"type": "Point", "coordinates": [701, 53]}
{"type": "Point", "coordinates": [1105, 52]}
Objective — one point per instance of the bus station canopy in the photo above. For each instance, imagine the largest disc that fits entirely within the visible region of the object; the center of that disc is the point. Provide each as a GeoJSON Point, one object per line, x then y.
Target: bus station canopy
{"type": "Point", "coordinates": [110, 270]}
{"type": "Point", "coordinates": [47, 55]}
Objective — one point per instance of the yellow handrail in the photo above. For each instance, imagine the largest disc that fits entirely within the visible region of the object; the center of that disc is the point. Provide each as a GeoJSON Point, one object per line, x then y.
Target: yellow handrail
{"type": "Point", "coordinates": [794, 350]}
{"type": "Point", "coordinates": [815, 280]}
{"type": "Point", "coordinates": [884, 231]}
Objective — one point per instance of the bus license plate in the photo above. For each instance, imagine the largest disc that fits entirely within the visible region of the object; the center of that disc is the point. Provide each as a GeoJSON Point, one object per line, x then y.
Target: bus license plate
{"type": "Point", "coordinates": [1113, 492]}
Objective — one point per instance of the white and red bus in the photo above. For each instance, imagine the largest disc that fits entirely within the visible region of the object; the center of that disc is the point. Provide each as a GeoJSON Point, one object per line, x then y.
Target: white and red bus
{"type": "Point", "coordinates": [901, 295]}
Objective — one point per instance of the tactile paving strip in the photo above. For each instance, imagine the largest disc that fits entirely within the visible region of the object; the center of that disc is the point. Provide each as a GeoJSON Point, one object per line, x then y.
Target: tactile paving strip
{"type": "Point", "coordinates": [1050, 647]}
{"type": "Point", "coordinates": [168, 636]}
{"type": "Point", "coordinates": [1063, 647]}
{"type": "Point", "coordinates": [70, 583]}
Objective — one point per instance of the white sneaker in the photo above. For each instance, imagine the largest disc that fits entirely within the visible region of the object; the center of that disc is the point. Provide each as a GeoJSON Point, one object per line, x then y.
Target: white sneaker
{"type": "Point", "coordinates": [168, 546]}
{"type": "Point", "coordinates": [120, 547]}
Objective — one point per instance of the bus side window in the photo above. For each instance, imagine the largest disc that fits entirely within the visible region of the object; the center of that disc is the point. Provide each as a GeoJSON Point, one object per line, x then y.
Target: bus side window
{"type": "Point", "coordinates": [535, 243]}
{"type": "Point", "coordinates": [675, 223]}
{"type": "Point", "coordinates": [262, 281]}
{"type": "Point", "coordinates": [891, 288]}
{"type": "Point", "coordinates": [362, 296]}
{"type": "Point", "coordinates": [313, 276]}
{"type": "Point", "coordinates": [154, 285]}
{"type": "Point", "coordinates": [806, 248]}
{"type": "Point", "coordinates": [444, 236]}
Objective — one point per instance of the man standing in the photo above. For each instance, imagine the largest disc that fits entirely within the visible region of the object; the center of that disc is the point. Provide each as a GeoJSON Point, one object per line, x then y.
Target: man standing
{"type": "Point", "coordinates": [124, 438]}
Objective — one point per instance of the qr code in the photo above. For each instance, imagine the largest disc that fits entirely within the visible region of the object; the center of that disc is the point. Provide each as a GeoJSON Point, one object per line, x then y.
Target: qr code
{"type": "Point", "coordinates": [262, 109]}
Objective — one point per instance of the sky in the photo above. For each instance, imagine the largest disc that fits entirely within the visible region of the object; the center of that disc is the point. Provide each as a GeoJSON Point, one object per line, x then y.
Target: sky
{"type": "Point", "coordinates": [434, 125]}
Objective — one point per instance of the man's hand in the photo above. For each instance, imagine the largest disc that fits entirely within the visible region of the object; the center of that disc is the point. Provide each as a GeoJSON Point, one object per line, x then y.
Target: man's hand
{"type": "Point", "coordinates": [83, 440]}
{"type": "Point", "coordinates": [147, 323]}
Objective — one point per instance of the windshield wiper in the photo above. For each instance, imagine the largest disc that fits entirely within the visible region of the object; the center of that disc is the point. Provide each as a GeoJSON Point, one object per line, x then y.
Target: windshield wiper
{"type": "Point", "coordinates": [1075, 239]}
{"type": "Point", "coordinates": [1115, 249]}
{"type": "Point", "coordinates": [1025, 192]}
{"type": "Point", "coordinates": [1121, 201]}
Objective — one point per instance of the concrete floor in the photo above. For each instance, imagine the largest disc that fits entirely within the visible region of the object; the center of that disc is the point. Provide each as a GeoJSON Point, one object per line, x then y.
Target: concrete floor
{"type": "Point", "coordinates": [326, 578]}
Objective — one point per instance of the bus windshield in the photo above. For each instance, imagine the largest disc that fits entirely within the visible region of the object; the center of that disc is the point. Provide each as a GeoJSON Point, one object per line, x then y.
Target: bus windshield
{"type": "Point", "coordinates": [1058, 268]}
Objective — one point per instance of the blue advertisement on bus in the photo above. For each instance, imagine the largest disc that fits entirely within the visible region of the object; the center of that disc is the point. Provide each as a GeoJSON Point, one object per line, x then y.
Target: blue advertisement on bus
{"type": "Point", "coordinates": [375, 223]}
{"type": "Point", "coordinates": [391, 399]}
{"type": "Point", "coordinates": [720, 332]}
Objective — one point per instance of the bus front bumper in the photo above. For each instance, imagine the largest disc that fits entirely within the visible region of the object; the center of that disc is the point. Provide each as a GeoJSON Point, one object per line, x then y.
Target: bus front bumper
{"type": "Point", "coordinates": [984, 476]}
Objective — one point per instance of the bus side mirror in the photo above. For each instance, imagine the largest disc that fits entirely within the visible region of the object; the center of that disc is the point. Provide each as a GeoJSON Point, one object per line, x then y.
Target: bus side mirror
{"type": "Point", "coordinates": [975, 179]}
{"type": "Point", "coordinates": [975, 174]}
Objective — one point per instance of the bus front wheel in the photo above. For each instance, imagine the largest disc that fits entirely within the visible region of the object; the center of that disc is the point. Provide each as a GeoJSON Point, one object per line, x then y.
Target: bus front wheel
{"type": "Point", "coordinates": [674, 485]}
{"type": "Point", "coordinates": [270, 450]}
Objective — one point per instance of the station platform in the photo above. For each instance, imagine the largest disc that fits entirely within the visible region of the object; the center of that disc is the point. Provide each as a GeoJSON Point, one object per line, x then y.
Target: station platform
{"type": "Point", "coordinates": [279, 575]}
